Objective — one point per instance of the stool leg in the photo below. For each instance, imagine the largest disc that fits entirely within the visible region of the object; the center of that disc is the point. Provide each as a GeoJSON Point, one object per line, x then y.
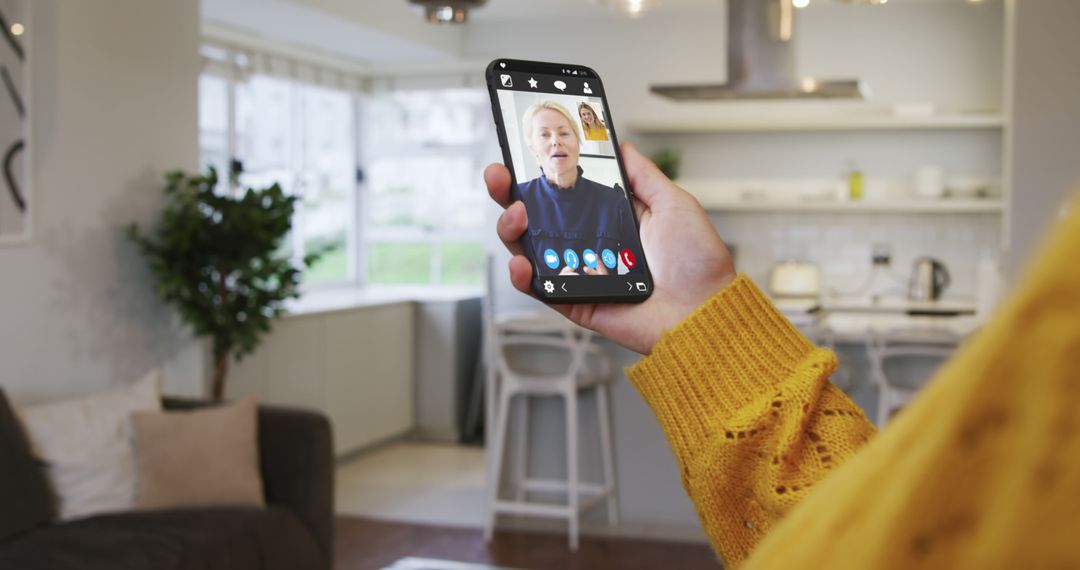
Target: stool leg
{"type": "Point", "coordinates": [572, 494]}
{"type": "Point", "coordinates": [491, 407]}
{"type": "Point", "coordinates": [496, 454]}
{"type": "Point", "coordinates": [884, 404]}
{"type": "Point", "coordinates": [603, 417]}
{"type": "Point", "coordinates": [521, 469]}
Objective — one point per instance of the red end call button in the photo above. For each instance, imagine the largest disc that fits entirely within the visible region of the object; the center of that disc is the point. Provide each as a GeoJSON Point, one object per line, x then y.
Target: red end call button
{"type": "Point", "coordinates": [628, 258]}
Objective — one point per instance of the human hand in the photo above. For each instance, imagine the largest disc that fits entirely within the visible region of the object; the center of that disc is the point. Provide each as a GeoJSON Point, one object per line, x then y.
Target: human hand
{"type": "Point", "coordinates": [600, 269]}
{"type": "Point", "coordinates": [567, 271]}
{"type": "Point", "coordinates": [689, 262]}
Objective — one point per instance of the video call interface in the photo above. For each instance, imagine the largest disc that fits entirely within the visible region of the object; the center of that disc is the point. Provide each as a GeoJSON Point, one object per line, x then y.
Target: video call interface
{"type": "Point", "coordinates": [563, 153]}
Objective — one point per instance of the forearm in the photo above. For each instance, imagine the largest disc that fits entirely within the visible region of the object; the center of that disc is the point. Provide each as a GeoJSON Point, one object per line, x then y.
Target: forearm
{"type": "Point", "coordinates": [747, 407]}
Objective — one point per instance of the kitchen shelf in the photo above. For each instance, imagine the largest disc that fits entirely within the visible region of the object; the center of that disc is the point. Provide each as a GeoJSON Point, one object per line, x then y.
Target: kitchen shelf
{"type": "Point", "coordinates": [945, 206]}
{"type": "Point", "coordinates": [848, 122]}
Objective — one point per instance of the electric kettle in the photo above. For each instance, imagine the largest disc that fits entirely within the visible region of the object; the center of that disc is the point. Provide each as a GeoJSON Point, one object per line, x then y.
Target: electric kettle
{"type": "Point", "coordinates": [929, 278]}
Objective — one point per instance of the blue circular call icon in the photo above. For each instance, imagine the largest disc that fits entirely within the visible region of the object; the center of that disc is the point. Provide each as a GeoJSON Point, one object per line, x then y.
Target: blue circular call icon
{"type": "Point", "coordinates": [551, 258]}
{"type": "Point", "coordinates": [609, 259]}
{"type": "Point", "coordinates": [590, 258]}
{"type": "Point", "coordinates": [570, 257]}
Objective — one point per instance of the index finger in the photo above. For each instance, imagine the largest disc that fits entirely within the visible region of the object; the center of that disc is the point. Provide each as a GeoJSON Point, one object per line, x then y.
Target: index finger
{"type": "Point", "coordinates": [646, 180]}
{"type": "Point", "coordinates": [497, 178]}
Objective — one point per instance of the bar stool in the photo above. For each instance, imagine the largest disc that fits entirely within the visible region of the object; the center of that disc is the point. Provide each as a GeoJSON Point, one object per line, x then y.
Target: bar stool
{"type": "Point", "coordinates": [588, 368]}
{"type": "Point", "coordinates": [882, 349]}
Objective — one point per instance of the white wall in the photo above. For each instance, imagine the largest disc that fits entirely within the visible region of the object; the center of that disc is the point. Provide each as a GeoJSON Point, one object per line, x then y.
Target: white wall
{"type": "Point", "coordinates": [947, 53]}
{"type": "Point", "coordinates": [841, 244]}
{"type": "Point", "coordinates": [1044, 135]}
{"type": "Point", "coordinates": [944, 53]}
{"type": "Point", "coordinates": [114, 106]}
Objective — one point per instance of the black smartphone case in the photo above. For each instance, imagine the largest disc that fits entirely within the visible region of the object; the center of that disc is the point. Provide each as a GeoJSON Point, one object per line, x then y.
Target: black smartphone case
{"type": "Point", "coordinates": [496, 112]}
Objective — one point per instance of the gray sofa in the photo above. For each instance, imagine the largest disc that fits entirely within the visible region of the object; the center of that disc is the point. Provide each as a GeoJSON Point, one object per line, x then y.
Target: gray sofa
{"type": "Point", "coordinates": [294, 531]}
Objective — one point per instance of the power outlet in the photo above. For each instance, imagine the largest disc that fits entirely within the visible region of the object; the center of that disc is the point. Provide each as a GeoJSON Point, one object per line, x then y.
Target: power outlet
{"type": "Point", "coordinates": [881, 254]}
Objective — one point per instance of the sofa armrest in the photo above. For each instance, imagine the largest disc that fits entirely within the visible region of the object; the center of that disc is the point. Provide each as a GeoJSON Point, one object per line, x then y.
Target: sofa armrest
{"type": "Point", "coordinates": [296, 459]}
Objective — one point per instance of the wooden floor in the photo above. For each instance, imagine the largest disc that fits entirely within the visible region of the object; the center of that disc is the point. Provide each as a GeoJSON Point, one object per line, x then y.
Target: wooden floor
{"type": "Point", "coordinates": [364, 544]}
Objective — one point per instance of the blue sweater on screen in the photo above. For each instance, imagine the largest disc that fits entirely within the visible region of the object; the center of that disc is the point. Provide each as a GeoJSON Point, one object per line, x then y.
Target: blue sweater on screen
{"type": "Point", "coordinates": [588, 216]}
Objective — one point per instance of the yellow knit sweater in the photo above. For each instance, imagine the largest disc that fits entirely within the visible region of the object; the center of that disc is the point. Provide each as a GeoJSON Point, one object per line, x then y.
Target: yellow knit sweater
{"type": "Point", "coordinates": [982, 470]}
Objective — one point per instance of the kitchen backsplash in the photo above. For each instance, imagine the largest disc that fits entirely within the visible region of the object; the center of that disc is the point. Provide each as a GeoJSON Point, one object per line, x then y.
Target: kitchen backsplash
{"type": "Point", "coordinates": [842, 243]}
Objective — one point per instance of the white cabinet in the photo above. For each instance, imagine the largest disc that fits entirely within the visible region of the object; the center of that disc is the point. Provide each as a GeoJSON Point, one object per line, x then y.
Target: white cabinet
{"type": "Point", "coordinates": [354, 365]}
{"type": "Point", "coordinates": [348, 396]}
{"type": "Point", "coordinates": [369, 359]}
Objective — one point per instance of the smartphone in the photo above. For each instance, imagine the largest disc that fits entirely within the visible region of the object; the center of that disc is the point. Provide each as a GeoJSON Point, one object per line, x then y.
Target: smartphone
{"type": "Point", "coordinates": [558, 140]}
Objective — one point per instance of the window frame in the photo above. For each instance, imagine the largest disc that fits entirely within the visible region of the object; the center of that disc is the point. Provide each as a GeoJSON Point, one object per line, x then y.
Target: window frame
{"type": "Point", "coordinates": [416, 234]}
{"type": "Point", "coordinates": [230, 66]}
{"type": "Point", "coordinates": [232, 79]}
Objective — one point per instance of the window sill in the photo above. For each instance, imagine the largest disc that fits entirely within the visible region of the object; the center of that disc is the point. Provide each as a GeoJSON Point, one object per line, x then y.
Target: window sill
{"type": "Point", "coordinates": [336, 299]}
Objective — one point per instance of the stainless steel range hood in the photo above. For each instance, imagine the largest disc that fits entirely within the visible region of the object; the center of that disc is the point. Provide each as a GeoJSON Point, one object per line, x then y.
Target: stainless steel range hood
{"type": "Point", "coordinates": [761, 61]}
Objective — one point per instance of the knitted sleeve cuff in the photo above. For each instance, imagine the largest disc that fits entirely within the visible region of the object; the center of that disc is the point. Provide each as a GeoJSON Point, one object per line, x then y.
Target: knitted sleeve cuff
{"type": "Point", "coordinates": [734, 349]}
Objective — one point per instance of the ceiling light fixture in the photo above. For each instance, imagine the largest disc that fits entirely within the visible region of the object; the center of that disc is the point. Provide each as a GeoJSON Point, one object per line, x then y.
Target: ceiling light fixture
{"type": "Point", "coordinates": [632, 8]}
{"type": "Point", "coordinates": [800, 3]}
{"type": "Point", "coordinates": [448, 11]}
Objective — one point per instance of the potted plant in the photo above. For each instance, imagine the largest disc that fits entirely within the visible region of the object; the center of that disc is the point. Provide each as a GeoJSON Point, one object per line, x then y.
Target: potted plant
{"type": "Point", "coordinates": [668, 161]}
{"type": "Point", "coordinates": [218, 259]}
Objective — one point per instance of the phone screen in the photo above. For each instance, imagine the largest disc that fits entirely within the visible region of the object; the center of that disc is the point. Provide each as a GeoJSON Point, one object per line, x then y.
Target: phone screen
{"type": "Point", "coordinates": [559, 142]}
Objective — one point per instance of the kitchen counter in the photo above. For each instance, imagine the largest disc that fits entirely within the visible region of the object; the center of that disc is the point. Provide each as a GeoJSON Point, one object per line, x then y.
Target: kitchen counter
{"type": "Point", "coordinates": [856, 320]}
{"type": "Point", "coordinates": [849, 320]}
{"type": "Point", "coordinates": [901, 327]}
{"type": "Point", "coordinates": [336, 299]}
{"type": "Point", "coordinates": [852, 328]}
{"type": "Point", "coordinates": [948, 306]}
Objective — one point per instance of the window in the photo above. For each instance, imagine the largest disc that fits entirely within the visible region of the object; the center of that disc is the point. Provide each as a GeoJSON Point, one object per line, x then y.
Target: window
{"type": "Point", "coordinates": [424, 154]}
{"type": "Point", "coordinates": [390, 181]}
{"type": "Point", "coordinates": [303, 137]}
{"type": "Point", "coordinates": [214, 123]}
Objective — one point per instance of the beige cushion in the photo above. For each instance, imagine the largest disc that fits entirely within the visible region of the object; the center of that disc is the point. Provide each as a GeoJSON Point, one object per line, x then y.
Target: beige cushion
{"type": "Point", "coordinates": [85, 444]}
{"type": "Point", "coordinates": [206, 457]}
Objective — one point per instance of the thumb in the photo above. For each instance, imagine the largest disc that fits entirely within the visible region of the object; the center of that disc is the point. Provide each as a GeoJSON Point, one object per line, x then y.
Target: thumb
{"type": "Point", "coordinates": [646, 180]}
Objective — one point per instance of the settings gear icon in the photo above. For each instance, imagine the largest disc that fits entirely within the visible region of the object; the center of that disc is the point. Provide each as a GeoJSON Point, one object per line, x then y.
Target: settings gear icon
{"type": "Point", "coordinates": [549, 286]}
